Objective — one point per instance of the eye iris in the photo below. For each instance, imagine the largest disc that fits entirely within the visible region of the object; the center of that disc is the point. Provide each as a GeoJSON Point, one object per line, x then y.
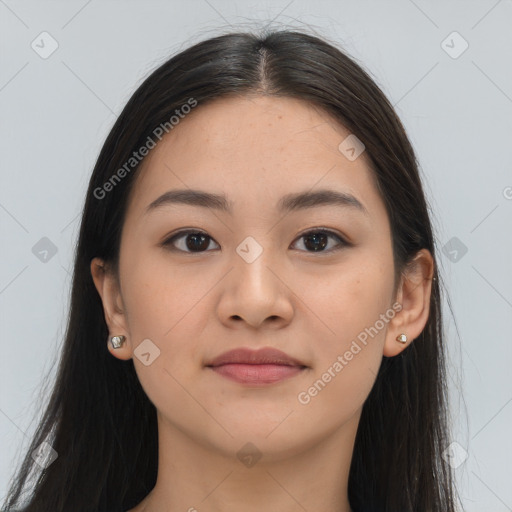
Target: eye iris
{"type": "Point", "coordinates": [198, 241]}
{"type": "Point", "coordinates": [319, 240]}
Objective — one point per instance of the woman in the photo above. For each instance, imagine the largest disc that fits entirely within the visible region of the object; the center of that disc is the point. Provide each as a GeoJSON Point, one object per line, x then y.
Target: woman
{"type": "Point", "coordinates": [255, 320]}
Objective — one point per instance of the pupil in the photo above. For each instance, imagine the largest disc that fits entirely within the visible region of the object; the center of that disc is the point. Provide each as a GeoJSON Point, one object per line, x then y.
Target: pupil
{"type": "Point", "coordinates": [197, 237]}
{"type": "Point", "coordinates": [315, 237]}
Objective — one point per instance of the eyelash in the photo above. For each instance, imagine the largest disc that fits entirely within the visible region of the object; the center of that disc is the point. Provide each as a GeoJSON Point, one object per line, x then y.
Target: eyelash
{"type": "Point", "coordinates": [342, 242]}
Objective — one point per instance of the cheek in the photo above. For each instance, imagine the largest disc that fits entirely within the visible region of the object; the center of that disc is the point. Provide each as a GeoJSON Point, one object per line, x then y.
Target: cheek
{"type": "Point", "coordinates": [354, 312]}
{"type": "Point", "coordinates": [164, 307]}
{"type": "Point", "coordinates": [349, 299]}
{"type": "Point", "coordinates": [348, 357]}
{"type": "Point", "coordinates": [161, 300]}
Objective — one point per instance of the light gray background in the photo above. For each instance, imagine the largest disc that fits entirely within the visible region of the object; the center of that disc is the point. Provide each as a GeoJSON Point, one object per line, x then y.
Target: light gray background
{"type": "Point", "coordinates": [56, 113]}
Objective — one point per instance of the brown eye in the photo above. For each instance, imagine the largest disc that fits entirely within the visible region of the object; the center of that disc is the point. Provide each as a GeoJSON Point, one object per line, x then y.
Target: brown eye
{"type": "Point", "coordinates": [197, 241]}
{"type": "Point", "coordinates": [189, 241]}
{"type": "Point", "coordinates": [318, 240]}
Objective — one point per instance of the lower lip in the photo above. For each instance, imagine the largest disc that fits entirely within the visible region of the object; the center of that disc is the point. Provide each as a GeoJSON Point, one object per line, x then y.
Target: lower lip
{"type": "Point", "coordinates": [257, 373]}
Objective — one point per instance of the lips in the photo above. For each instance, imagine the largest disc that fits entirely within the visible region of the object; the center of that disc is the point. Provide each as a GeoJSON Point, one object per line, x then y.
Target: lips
{"type": "Point", "coordinates": [263, 356]}
{"type": "Point", "coordinates": [256, 367]}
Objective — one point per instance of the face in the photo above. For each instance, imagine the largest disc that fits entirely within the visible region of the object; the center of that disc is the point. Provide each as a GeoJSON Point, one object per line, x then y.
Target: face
{"type": "Point", "coordinates": [198, 281]}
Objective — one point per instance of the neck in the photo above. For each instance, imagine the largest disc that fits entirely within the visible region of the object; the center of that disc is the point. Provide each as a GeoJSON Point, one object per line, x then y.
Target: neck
{"type": "Point", "coordinates": [196, 477]}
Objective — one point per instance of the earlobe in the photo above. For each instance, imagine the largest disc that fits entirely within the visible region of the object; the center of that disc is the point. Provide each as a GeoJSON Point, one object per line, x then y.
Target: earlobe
{"type": "Point", "coordinates": [107, 286]}
{"type": "Point", "coordinates": [414, 295]}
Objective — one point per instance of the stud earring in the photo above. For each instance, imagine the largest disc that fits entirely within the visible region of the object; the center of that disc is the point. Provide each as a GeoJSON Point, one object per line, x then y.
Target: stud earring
{"type": "Point", "coordinates": [402, 338]}
{"type": "Point", "coordinates": [117, 341]}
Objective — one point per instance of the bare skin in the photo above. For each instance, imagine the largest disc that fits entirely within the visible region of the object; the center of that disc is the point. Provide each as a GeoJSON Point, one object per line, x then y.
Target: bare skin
{"type": "Point", "coordinates": [196, 304]}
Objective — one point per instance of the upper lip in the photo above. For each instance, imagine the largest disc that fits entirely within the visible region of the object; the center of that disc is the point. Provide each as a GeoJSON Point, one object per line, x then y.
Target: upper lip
{"type": "Point", "coordinates": [265, 355]}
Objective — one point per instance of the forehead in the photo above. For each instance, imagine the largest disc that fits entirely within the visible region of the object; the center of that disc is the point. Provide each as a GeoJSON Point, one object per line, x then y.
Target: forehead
{"type": "Point", "coordinates": [255, 150]}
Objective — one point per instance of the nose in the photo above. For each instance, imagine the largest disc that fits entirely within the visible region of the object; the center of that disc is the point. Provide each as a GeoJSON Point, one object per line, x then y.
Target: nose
{"type": "Point", "coordinates": [256, 292]}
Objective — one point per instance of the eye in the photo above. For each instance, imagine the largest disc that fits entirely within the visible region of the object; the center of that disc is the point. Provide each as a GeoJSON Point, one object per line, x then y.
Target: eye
{"type": "Point", "coordinates": [195, 241]}
{"type": "Point", "coordinates": [317, 240]}
{"type": "Point", "coordinates": [198, 241]}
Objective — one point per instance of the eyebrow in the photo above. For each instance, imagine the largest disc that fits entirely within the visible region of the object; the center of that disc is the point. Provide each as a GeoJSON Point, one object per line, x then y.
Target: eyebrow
{"type": "Point", "coordinates": [288, 203]}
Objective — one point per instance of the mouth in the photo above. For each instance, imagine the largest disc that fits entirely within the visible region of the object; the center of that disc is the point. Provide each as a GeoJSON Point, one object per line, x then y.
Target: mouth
{"type": "Point", "coordinates": [261, 367]}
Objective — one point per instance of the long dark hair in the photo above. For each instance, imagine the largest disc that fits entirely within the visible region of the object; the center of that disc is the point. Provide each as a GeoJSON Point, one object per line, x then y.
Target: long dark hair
{"type": "Point", "coordinates": [100, 421]}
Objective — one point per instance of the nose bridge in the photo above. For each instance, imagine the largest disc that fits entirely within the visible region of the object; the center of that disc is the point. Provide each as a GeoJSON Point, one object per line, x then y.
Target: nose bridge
{"type": "Point", "coordinates": [252, 264]}
{"type": "Point", "coordinates": [255, 292]}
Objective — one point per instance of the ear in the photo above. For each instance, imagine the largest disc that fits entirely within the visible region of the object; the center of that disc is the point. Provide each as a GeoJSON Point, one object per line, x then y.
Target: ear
{"type": "Point", "coordinates": [414, 295]}
{"type": "Point", "coordinates": [107, 284]}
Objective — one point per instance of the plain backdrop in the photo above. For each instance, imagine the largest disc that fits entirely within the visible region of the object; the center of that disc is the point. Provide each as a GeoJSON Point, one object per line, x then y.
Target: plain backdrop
{"type": "Point", "coordinates": [445, 66]}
